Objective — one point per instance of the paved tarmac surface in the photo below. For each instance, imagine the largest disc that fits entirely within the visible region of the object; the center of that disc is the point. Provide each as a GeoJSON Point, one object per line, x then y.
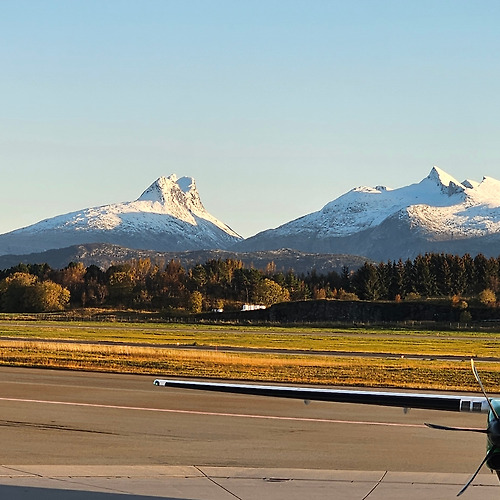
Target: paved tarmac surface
{"type": "Point", "coordinates": [69, 435]}
{"type": "Point", "coordinates": [220, 483]}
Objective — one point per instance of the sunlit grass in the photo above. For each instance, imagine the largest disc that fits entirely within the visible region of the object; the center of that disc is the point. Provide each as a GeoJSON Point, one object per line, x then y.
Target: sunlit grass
{"type": "Point", "coordinates": [373, 372]}
{"type": "Point", "coordinates": [359, 340]}
{"type": "Point", "coordinates": [147, 348]}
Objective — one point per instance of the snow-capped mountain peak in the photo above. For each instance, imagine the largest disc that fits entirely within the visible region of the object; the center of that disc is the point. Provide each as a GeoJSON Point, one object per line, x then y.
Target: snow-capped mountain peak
{"type": "Point", "coordinates": [437, 213]}
{"type": "Point", "coordinates": [446, 183]}
{"type": "Point", "coordinates": [364, 207]}
{"type": "Point", "coordinates": [161, 189]}
{"type": "Point", "coordinates": [164, 188]}
{"type": "Point", "coordinates": [486, 192]}
{"type": "Point", "coordinates": [179, 197]}
{"type": "Point", "coordinates": [169, 215]}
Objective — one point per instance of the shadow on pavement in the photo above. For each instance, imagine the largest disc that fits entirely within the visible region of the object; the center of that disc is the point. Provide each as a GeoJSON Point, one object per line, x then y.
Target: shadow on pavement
{"type": "Point", "coordinates": [30, 493]}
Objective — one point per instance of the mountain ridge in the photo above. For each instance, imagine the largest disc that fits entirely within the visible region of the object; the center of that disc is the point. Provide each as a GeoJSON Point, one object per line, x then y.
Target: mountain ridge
{"type": "Point", "coordinates": [438, 214]}
{"type": "Point", "coordinates": [104, 255]}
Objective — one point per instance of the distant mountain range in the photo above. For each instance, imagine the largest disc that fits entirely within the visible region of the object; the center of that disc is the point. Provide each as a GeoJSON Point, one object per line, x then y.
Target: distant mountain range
{"type": "Point", "coordinates": [438, 214]}
{"type": "Point", "coordinates": [104, 255]}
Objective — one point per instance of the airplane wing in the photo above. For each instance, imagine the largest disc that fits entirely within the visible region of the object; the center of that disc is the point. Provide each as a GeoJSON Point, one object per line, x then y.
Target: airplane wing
{"type": "Point", "coordinates": [424, 401]}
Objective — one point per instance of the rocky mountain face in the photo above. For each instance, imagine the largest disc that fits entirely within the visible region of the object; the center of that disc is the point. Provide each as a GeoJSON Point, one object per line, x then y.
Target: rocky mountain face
{"type": "Point", "coordinates": [168, 216]}
{"type": "Point", "coordinates": [438, 214]}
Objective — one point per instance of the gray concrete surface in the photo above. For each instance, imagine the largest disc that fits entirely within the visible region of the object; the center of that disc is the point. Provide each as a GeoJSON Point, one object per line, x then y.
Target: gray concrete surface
{"type": "Point", "coordinates": [19, 482]}
{"type": "Point", "coordinates": [81, 436]}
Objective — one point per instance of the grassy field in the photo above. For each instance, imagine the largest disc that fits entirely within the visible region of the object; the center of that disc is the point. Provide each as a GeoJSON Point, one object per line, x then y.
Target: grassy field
{"type": "Point", "coordinates": [146, 350]}
{"type": "Point", "coordinates": [391, 341]}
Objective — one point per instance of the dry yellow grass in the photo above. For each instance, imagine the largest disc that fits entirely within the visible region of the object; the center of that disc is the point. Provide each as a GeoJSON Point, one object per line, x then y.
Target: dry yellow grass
{"type": "Point", "coordinates": [374, 372]}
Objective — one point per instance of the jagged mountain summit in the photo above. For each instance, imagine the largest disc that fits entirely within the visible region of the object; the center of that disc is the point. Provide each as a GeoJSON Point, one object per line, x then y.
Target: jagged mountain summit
{"type": "Point", "coordinates": [168, 216]}
{"type": "Point", "coordinates": [438, 214]}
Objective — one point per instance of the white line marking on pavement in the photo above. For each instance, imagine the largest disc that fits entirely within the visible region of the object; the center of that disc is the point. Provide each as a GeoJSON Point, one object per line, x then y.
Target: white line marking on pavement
{"type": "Point", "coordinates": [208, 413]}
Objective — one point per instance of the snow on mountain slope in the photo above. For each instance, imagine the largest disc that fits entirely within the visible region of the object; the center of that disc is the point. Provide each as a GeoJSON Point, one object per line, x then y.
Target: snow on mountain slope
{"type": "Point", "coordinates": [439, 208]}
{"type": "Point", "coordinates": [438, 214]}
{"type": "Point", "coordinates": [168, 216]}
{"type": "Point", "coordinates": [478, 214]}
{"type": "Point", "coordinates": [365, 207]}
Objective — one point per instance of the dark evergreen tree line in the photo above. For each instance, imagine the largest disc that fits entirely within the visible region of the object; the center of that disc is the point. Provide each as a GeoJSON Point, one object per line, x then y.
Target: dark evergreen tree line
{"type": "Point", "coordinates": [430, 275]}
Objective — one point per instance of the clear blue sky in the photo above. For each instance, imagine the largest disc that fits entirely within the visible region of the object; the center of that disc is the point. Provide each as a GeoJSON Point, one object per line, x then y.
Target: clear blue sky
{"type": "Point", "coordinates": [275, 107]}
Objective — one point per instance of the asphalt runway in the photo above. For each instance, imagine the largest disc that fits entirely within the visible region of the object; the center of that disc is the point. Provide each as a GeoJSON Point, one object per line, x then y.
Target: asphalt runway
{"type": "Point", "coordinates": [92, 435]}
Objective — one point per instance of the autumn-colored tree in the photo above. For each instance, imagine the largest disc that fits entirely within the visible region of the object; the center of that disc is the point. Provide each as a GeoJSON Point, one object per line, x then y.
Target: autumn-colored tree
{"type": "Point", "coordinates": [347, 296]}
{"type": "Point", "coordinates": [15, 292]}
{"type": "Point", "coordinates": [121, 284]}
{"type": "Point", "coordinates": [319, 293]}
{"type": "Point", "coordinates": [270, 268]}
{"type": "Point", "coordinates": [72, 277]}
{"type": "Point", "coordinates": [487, 297]}
{"type": "Point", "coordinates": [49, 296]}
{"type": "Point", "coordinates": [268, 292]}
{"type": "Point", "coordinates": [168, 287]}
{"type": "Point", "coordinates": [142, 268]}
{"type": "Point", "coordinates": [23, 292]}
{"type": "Point", "coordinates": [195, 302]}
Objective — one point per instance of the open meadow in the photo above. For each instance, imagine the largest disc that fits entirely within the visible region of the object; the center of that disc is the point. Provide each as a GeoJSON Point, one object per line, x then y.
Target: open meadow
{"type": "Point", "coordinates": [372, 357]}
